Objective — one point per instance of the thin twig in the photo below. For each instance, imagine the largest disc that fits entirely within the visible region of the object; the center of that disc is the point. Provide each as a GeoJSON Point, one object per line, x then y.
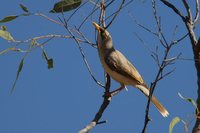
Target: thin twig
{"type": "Point", "coordinates": [86, 18]}
{"type": "Point", "coordinates": [46, 36]}
{"type": "Point", "coordinates": [77, 10]}
{"type": "Point", "coordinates": [164, 63]}
{"type": "Point", "coordinates": [102, 14]}
{"type": "Point", "coordinates": [50, 19]}
{"type": "Point", "coordinates": [180, 39]}
{"type": "Point", "coordinates": [158, 23]}
{"type": "Point", "coordinates": [196, 18]}
{"type": "Point", "coordinates": [109, 3]}
{"type": "Point", "coordinates": [142, 26]}
{"type": "Point", "coordinates": [166, 74]}
{"type": "Point", "coordinates": [86, 40]}
{"type": "Point", "coordinates": [121, 9]}
{"type": "Point", "coordinates": [144, 44]}
{"type": "Point", "coordinates": [81, 51]}
{"type": "Point", "coordinates": [117, 12]}
{"type": "Point", "coordinates": [124, 5]}
{"type": "Point", "coordinates": [188, 10]}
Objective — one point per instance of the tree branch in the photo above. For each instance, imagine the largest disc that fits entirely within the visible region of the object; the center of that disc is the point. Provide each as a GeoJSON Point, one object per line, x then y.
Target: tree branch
{"type": "Point", "coordinates": [188, 10]}
{"type": "Point", "coordinates": [164, 63]}
{"type": "Point", "coordinates": [48, 18]}
{"type": "Point", "coordinates": [117, 12]}
{"type": "Point", "coordinates": [107, 98]}
{"type": "Point", "coordinates": [81, 51]}
{"type": "Point", "coordinates": [101, 110]}
{"type": "Point", "coordinates": [196, 18]}
{"type": "Point", "coordinates": [173, 8]}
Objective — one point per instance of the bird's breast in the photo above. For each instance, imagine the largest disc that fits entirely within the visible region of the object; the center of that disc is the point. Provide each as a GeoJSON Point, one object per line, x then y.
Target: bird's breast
{"type": "Point", "coordinates": [116, 76]}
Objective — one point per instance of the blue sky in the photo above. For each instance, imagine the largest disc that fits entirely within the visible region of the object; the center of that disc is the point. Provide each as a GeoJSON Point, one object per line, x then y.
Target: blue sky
{"type": "Point", "coordinates": [64, 99]}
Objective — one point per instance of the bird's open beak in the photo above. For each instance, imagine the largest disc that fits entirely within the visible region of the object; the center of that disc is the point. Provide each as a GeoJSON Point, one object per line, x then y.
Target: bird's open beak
{"type": "Point", "coordinates": [96, 26]}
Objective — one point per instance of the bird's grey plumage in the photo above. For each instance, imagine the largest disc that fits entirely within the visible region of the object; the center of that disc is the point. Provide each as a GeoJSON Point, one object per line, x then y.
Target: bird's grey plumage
{"type": "Point", "coordinates": [122, 66]}
{"type": "Point", "coordinates": [119, 67]}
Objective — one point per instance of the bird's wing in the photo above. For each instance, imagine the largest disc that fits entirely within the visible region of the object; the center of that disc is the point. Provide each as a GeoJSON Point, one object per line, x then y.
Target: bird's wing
{"type": "Point", "coordinates": [118, 62]}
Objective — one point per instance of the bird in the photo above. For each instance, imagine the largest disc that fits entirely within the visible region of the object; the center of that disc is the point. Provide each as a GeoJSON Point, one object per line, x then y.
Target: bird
{"type": "Point", "coordinates": [120, 68]}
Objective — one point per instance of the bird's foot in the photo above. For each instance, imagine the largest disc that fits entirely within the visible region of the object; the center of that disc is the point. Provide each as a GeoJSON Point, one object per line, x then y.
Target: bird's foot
{"type": "Point", "coordinates": [126, 88]}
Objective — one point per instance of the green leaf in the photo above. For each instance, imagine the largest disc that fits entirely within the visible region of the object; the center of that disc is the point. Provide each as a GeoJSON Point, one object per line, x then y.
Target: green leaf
{"type": "Point", "coordinates": [65, 5]}
{"type": "Point", "coordinates": [49, 61]}
{"type": "Point", "coordinates": [189, 100]}
{"type": "Point", "coordinates": [4, 28]}
{"type": "Point", "coordinates": [8, 18]}
{"type": "Point", "coordinates": [6, 50]}
{"type": "Point", "coordinates": [6, 35]}
{"type": "Point", "coordinates": [17, 76]}
{"type": "Point", "coordinates": [24, 8]}
{"type": "Point", "coordinates": [173, 123]}
{"type": "Point", "coordinates": [12, 49]}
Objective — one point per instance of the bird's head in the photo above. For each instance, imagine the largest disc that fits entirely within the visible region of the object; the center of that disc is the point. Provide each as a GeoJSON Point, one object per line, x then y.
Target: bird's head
{"type": "Point", "coordinates": [103, 35]}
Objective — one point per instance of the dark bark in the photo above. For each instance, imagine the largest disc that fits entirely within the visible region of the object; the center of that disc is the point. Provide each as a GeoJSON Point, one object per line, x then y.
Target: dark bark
{"type": "Point", "coordinates": [196, 51]}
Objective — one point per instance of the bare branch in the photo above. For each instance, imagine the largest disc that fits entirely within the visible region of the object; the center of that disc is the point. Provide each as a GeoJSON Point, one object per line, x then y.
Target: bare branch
{"type": "Point", "coordinates": [86, 40]}
{"type": "Point", "coordinates": [109, 3]}
{"type": "Point", "coordinates": [180, 39]}
{"type": "Point", "coordinates": [173, 35]}
{"type": "Point", "coordinates": [46, 36]}
{"type": "Point", "coordinates": [164, 62]}
{"type": "Point", "coordinates": [188, 10]}
{"type": "Point", "coordinates": [142, 26]}
{"type": "Point", "coordinates": [166, 74]}
{"type": "Point", "coordinates": [48, 18]}
{"type": "Point", "coordinates": [197, 12]}
{"type": "Point", "coordinates": [86, 18]}
{"type": "Point", "coordinates": [81, 51]}
{"type": "Point", "coordinates": [120, 9]}
{"type": "Point", "coordinates": [142, 41]}
{"type": "Point", "coordinates": [76, 10]}
{"type": "Point", "coordinates": [102, 14]}
{"type": "Point", "coordinates": [173, 8]}
{"type": "Point", "coordinates": [117, 12]}
{"type": "Point", "coordinates": [103, 107]}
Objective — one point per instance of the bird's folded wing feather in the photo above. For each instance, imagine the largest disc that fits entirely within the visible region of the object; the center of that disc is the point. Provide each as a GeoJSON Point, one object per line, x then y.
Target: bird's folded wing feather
{"type": "Point", "coordinates": [118, 62]}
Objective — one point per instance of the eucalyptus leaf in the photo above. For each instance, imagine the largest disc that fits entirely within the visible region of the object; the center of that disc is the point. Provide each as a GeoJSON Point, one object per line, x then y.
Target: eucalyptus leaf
{"type": "Point", "coordinates": [5, 51]}
{"type": "Point", "coordinates": [8, 18]}
{"type": "Point", "coordinates": [24, 8]}
{"type": "Point", "coordinates": [65, 5]}
{"type": "Point", "coordinates": [189, 100]}
{"type": "Point", "coordinates": [4, 28]}
{"type": "Point", "coordinates": [49, 61]}
{"type": "Point", "coordinates": [173, 123]}
{"type": "Point", "coordinates": [17, 76]}
{"type": "Point", "coordinates": [6, 35]}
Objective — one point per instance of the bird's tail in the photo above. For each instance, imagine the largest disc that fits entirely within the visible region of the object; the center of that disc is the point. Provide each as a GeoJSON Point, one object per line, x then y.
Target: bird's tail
{"type": "Point", "coordinates": [158, 105]}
